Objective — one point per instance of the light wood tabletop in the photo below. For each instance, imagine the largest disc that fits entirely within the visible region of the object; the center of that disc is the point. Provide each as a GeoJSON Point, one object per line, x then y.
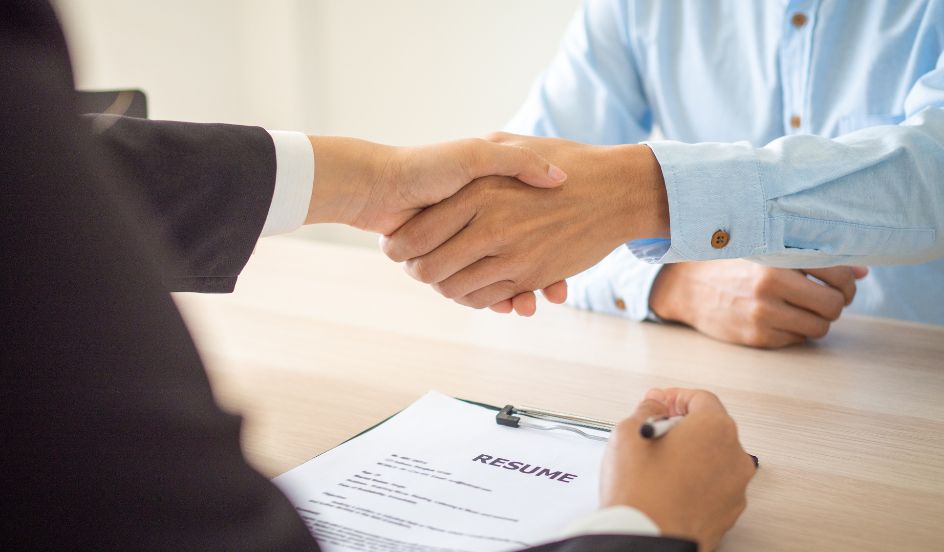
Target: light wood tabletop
{"type": "Point", "coordinates": [322, 341]}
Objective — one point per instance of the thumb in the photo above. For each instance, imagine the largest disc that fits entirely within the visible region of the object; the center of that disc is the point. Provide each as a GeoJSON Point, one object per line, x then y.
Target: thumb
{"type": "Point", "coordinates": [488, 158]}
{"type": "Point", "coordinates": [649, 408]}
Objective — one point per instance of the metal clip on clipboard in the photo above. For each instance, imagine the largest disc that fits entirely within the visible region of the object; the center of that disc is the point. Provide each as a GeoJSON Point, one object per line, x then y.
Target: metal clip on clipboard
{"type": "Point", "coordinates": [511, 417]}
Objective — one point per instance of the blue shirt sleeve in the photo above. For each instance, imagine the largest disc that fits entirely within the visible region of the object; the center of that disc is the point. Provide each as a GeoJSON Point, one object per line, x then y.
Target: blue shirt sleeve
{"type": "Point", "coordinates": [873, 196]}
{"type": "Point", "coordinates": [618, 285]}
{"type": "Point", "coordinates": [592, 92]}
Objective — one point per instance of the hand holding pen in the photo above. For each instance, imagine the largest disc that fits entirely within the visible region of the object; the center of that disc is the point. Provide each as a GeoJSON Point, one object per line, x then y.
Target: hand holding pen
{"type": "Point", "coordinates": [657, 426]}
{"type": "Point", "coordinates": [692, 481]}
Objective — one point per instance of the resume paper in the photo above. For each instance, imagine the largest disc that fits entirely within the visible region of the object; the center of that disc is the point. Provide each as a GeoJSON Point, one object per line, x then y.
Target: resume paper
{"type": "Point", "coordinates": [443, 476]}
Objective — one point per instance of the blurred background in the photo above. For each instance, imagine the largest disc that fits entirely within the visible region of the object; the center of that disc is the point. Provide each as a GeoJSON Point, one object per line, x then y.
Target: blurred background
{"type": "Point", "coordinates": [393, 71]}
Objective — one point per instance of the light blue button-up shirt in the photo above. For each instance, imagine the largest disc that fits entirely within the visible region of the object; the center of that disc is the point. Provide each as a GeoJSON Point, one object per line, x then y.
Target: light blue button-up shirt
{"type": "Point", "coordinates": [811, 131]}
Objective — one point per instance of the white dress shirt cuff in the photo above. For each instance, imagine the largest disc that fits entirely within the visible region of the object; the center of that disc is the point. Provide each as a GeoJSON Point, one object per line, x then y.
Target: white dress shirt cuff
{"type": "Point", "coordinates": [294, 176]}
{"type": "Point", "coordinates": [615, 520]}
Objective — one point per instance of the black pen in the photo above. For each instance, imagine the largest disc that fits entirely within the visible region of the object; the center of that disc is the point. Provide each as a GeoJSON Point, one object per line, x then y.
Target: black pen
{"type": "Point", "coordinates": [657, 426]}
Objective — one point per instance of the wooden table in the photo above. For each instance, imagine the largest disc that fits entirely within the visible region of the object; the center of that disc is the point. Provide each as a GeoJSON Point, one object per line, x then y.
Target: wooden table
{"type": "Point", "coordinates": [322, 341]}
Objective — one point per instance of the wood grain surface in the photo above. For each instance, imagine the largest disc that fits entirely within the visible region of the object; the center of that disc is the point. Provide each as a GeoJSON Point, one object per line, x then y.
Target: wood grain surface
{"type": "Point", "coordinates": [322, 341]}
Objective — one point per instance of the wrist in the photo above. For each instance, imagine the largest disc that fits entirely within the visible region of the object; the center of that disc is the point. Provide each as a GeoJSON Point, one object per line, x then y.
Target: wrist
{"type": "Point", "coordinates": [348, 175]}
{"type": "Point", "coordinates": [660, 516]}
{"type": "Point", "coordinates": [667, 298]}
{"type": "Point", "coordinates": [643, 202]}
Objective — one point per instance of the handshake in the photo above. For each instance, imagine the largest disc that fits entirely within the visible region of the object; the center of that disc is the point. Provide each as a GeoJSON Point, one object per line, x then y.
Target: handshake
{"type": "Point", "coordinates": [487, 222]}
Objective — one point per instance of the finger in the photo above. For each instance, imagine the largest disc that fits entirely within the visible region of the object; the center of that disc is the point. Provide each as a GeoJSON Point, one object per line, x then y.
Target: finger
{"type": "Point", "coordinates": [798, 290]}
{"type": "Point", "coordinates": [488, 158]}
{"type": "Point", "coordinates": [649, 408]}
{"type": "Point", "coordinates": [795, 320]}
{"type": "Point", "coordinates": [656, 394]}
{"type": "Point", "coordinates": [556, 293]}
{"type": "Point", "coordinates": [840, 277]}
{"type": "Point", "coordinates": [525, 304]}
{"type": "Point", "coordinates": [770, 338]}
{"type": "Point", "coordinates": [469, 282]}
{"type": "Point", "coordinates": [860, 271]}
{"type": "Point", "coordinates": [683, 401]}
{"type": "Point", "coordinates": [503, 307]}
{"type": "Point", "coordinates": [429, 229]}
{"type": "Point", "coordinates": [456, 253]}
{"type": "Point", "coordinates": [490, 294]}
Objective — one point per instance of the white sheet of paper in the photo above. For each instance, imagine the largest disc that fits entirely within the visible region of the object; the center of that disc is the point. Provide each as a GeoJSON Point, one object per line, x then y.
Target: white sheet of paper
{"type": "Point", "coordinates": [443, 476]}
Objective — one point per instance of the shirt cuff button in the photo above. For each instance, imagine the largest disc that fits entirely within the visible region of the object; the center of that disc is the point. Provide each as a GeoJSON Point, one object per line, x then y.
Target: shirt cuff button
{"type": "Point", "coordinates": [720, 239]}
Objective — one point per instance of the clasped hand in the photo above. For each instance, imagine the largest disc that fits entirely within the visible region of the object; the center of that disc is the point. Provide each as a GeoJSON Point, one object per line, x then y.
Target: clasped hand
{"type": "Point", "coordinates": [496, 240]}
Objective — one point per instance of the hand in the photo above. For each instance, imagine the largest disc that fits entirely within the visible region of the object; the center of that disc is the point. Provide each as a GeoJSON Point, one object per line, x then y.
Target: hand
{"type": "Point", "coordinates": [751, 304]}
{"type": "Point", "coordinates": [692, 481]}
{"type": "Point", "coordinates": [496, 238]}
{"type": "Point", "coordinates": [378, 188]}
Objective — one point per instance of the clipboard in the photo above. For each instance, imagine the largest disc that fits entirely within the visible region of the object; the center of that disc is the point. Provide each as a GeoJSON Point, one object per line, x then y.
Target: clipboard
{"type": "Point", "coordinates": [509, 416]}
{"type": "Point", "coordinates": [443, 473]}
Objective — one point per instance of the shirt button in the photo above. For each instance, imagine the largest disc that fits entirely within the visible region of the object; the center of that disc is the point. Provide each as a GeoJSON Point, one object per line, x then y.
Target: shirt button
{"type": "Point", "coordinates": [720, 239]}
{"type": "Point", "coordinates": [620, 304]}
{"type": "Point", "coordinates": [795, 121]}
{"type": "Point", "coordinates": [798, 19]}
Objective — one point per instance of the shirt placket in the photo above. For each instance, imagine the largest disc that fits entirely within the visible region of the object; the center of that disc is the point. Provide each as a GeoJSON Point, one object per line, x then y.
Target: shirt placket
{"type": "Point", "coordinates": [795, 52]}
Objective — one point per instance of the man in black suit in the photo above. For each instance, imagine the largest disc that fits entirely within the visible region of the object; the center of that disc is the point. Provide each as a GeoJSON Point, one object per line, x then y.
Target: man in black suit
{"type": "Point", "coordinates": [112, 439]}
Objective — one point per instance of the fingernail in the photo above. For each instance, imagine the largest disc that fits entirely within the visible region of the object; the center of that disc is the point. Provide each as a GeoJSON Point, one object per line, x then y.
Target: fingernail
{"type": "Point", "coordinates": [556, 174]}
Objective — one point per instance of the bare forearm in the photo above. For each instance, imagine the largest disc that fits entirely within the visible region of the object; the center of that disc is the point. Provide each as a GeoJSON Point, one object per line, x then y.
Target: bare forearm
{"type": "Point", "coordinates": [346, 171]}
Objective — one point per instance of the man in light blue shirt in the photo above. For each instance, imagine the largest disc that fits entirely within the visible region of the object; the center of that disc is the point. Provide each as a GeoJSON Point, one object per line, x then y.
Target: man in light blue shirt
{"type": "Point", "coordinates": [747, 74]}
{"type": "Point", "coordinates": [799, 134]}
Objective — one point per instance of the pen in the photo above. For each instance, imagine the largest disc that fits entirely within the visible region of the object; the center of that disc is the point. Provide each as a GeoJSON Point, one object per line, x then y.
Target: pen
{"type": "Point", "coordinates": [655, 427]}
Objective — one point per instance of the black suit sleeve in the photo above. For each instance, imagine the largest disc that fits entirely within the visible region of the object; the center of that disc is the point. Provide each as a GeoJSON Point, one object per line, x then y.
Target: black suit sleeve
{"type": "Point", "coordinates": [203, 190]}
{"type": "Point", "coordinates": [111, 438]}
{"type": "Point", "coordinates": [618, 543]}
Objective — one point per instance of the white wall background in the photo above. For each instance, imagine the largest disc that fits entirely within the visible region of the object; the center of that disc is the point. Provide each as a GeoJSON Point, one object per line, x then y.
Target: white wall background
{"type": "Point", "coordinates": [394, 71]}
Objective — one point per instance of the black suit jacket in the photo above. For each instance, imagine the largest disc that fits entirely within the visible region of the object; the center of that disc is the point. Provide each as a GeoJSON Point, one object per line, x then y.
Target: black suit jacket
{"type": "Point", "coordinates": [111, 436]}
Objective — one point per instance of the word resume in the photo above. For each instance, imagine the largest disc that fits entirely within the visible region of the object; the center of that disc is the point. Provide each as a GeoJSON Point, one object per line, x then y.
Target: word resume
{"type": "Point", "coordinates": [442, 476]}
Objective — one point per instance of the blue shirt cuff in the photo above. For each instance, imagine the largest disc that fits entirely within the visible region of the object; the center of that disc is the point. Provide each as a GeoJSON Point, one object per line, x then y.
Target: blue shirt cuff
{"type": "Point", "coordinates": [710, 187]}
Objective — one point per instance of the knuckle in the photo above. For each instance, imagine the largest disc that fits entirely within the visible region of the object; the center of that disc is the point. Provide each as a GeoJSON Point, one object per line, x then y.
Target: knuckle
{"type": "Point", "coordinates": [708, 395]}
{"type": "Point", "coordinates": [392, 248]}
{"type": "Point", "coordinates": [497, 136]}
{"type": "Point", "coordinates": [832, 308]}
{"type": "Point", "coordinates": [525, 282]}
{"type": "Point", "coordinates": [406, 245]}
{"type": "Point", "coordinates": [480, 192]}
{"type": "Point", "coordinates": [759, 313]}
{"type": "Point", "coordinates": [497, 234]}
{"type": "Point", "coordinates": [447, 290]}
{"type": "Point", "coordinates": [758, 337]}
{"type": "Point", "coordinates": [820, 329]}
{"type": "Point", "coordinates": [476, 302]}
{"type": "Point", "coordinates": [421, 269]}
{"type": "Point", "coordinates": [765, 282]}
{"type": "Point", "coordinates": [461, 301]}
